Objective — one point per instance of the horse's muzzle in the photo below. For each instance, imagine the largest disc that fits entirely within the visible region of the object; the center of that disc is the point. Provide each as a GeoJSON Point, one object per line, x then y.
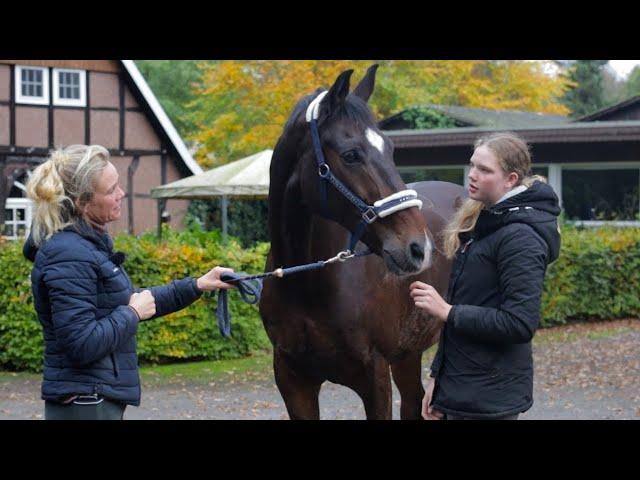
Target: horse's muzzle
{"type": "Point", "coordinates": [409, 259]}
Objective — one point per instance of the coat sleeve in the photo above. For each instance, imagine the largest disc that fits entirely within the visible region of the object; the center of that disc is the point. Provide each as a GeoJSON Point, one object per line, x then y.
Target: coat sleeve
{"type": "Point", "coordinates": [73, 289]}
{"type": "Point", "coordinates": [174, 296]}
{"type": "Point", "coordinates": [521, 264]}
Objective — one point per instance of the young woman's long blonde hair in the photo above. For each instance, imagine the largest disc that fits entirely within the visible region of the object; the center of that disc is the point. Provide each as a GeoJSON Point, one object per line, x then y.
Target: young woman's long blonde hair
{"type": "Point", "coordinates": [61, 185]}
{"type": "Point", "coordinates": [514, 156]}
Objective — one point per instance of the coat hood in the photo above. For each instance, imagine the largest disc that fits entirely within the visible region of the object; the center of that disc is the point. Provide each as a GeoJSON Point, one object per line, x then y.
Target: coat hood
{"type": "Point", "coordinates": [537, 206]}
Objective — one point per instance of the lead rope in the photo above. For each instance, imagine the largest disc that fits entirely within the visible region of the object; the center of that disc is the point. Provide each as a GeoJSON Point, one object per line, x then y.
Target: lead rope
{"type": "Point", "coordinates": [250, 286]}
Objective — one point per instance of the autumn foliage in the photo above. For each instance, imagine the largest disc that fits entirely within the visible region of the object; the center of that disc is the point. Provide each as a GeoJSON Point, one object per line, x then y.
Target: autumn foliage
{"type": "Point", "coordinates": [240, 107]}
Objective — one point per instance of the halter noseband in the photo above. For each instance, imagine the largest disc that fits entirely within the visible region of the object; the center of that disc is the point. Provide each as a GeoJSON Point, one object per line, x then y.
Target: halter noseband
{"type": "Point", "coordinates": [369, 213]}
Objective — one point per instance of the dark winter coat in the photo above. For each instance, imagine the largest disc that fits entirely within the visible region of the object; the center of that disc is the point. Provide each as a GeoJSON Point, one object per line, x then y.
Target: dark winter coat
{"type": "Point", "coordinates": [81, 292]}
{"type": "Point", "coordinates": [484, 367]}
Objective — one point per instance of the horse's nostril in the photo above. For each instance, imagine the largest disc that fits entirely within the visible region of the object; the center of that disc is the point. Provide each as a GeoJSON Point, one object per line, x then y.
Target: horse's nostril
{"type": "Point", "coordinates": [417, 251]}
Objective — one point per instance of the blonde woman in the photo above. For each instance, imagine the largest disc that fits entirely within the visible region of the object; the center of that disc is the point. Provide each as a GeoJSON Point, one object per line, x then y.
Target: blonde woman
{"type": "Point", "coordinates": [501, 239]}
{"type": "Point", "coordinates": [82, 295]}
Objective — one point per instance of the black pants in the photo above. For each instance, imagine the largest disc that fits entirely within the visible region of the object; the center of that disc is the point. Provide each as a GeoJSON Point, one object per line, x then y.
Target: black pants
{"type": "Point", "coordinates": [455, 417]}
{"type": "Point", "coordinates": [99, 409]}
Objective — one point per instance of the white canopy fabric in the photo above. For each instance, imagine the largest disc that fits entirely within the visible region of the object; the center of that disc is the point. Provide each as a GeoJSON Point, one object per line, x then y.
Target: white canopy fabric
{"type": "Point", "coordinates": [248, 177]}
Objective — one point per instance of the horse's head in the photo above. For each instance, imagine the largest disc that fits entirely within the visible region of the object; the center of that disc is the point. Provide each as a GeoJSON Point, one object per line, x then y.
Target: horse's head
{"type": "Point", "coordinates": [361, 157]}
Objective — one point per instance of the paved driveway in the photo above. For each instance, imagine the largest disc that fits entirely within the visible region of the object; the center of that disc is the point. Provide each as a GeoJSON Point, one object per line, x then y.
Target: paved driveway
{"type": "Point", "coordinates": [586, 371]}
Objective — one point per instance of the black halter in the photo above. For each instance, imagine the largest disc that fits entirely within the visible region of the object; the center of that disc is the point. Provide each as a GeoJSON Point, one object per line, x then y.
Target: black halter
{"type": "Point", "coordinates": [369, 213]}
{"type": "Point", "coordinates": [250, 286]}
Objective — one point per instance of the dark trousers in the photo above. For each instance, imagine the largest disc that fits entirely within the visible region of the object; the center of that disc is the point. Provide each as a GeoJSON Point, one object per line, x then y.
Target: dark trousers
{"type": "Point", "coordinates": [455, 417]}
{"type": "Point", "coordinates": [102, 410]}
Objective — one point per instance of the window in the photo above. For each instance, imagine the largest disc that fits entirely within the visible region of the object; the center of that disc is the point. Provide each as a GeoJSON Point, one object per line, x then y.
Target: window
{"type": "Point", "coordinates": [17, 220]}
{"type": "Point", "coordinates": [453, 175]}
{"type": "Point", "coordinates": [69, 87]}
{"type": "Point", "coordinates": [604, 195]}
{"type": "Point", "coordinates": [32, 85]}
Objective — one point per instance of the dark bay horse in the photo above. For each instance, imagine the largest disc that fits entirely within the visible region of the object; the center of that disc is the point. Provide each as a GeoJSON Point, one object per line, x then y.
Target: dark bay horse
{"type": "Point", "coordinates": [349, 322]}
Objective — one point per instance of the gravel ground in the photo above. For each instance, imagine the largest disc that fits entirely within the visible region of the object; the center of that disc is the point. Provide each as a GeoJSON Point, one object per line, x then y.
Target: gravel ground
{"type": "Point", "coordinates": [584, 371]}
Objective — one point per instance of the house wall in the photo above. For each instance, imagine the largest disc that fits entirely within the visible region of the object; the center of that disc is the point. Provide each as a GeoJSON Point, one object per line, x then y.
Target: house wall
{"type": "Point", "coordinates": [99, 123]}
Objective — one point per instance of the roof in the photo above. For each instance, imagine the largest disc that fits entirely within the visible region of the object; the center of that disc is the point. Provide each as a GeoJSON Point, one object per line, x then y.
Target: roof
{"type": "Point", "coordinates": [248, 177]}
{"type": "Point", "coordinates": [612, 131]}
{"type": "Point", "coordinates": [164, 121]}
{"type": "Point", "coordinates": [483, 117]}
{"type": "Point", "coordinates": [629, 102]}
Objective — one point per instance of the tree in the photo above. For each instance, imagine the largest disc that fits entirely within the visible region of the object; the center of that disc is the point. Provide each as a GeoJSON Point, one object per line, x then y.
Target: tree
{"type": "Point", "coordinates": [632, 86]}
{"type": "Point", "coordinates": [586, 93]}
{"type": "Point", "coordinates": [613, 86]}
{"type": "Point", "coordinates": [172, 82]}
{"type": "Point", "coordinates": [240, 107]}
{"type": "Point", "coordinates": [425, 117]}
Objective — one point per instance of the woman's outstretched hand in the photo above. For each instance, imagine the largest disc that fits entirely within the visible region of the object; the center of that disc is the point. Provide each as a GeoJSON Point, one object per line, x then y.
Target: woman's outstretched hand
{"type": "Point", "coordinates": [211, 280]}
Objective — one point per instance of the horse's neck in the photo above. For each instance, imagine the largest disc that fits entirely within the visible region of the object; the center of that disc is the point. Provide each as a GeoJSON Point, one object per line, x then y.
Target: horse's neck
{"type": "Point", "coordinates": [297, 236]}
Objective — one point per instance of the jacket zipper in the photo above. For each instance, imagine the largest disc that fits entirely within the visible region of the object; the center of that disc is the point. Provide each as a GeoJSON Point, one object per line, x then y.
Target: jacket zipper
{"type": "Point", "coordinates": [449, 295]}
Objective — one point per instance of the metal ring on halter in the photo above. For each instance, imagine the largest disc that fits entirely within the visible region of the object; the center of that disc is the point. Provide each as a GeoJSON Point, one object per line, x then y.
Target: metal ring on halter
{"type": "Point", "coordinates": [370, 215]}
{"type": "Point", "coordinates": [326, 172]}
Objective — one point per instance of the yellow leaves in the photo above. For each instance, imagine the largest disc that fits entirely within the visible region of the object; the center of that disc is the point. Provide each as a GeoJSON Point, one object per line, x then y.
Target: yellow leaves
{"type": "Point", "coordinates": [242, 106]}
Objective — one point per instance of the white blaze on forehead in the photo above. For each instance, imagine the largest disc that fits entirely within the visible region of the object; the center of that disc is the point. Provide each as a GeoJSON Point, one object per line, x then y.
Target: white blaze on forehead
{"type": "Point", "coordinates": [375, 139]}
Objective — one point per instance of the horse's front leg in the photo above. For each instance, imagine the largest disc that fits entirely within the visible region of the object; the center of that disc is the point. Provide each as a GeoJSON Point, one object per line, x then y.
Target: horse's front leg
{"type": "Point", "coordinates": [374, 388]}
{"type": "Point", "coordinates": [300, 395]}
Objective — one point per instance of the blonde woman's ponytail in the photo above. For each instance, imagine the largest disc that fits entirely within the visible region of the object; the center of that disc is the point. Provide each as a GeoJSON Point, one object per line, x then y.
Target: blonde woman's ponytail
{"type": "Point", "coordinates": [56, 186]}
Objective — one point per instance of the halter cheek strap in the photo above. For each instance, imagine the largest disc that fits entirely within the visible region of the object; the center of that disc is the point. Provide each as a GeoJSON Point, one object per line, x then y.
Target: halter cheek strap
{"type": "Point", "coordinates": [369, 213]}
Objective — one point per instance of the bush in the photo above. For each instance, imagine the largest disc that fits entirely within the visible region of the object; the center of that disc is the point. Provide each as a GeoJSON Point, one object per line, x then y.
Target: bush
{"type": "Point", "coordinates": [596, 277]}
{"type": "Point", "coordinates": [20, 332]}
{"type": "Point", "coordinates": [247, 219]}
{"type": "Point", "coordinates": [190, 334]}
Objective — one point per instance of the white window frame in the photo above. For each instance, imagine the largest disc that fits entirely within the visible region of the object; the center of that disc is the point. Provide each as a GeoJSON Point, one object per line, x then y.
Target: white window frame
{"type": "Point", "coordinates": [14, 204]}
{"type": "Point", "coordinates": [560, 168]}
{"type": "Point", "coordinates": [44, 99]}
{"type": "Point", "coordinates": [69, 102]}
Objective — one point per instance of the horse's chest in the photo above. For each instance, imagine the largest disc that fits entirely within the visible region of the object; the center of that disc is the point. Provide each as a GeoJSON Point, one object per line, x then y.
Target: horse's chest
{"type": "Point", "coordinates": [314, 334]}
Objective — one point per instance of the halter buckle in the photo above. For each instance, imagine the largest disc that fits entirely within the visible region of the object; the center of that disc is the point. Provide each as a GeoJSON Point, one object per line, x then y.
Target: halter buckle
{"type": "Point", "coordinates": [370, 215]}
{"type": "Point", "coordinates": [324, 173]}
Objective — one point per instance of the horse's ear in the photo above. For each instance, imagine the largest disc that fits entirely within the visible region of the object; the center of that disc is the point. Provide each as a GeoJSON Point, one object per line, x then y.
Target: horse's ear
{"type": "Point", "coordinates": [339, 90]}
{"type": "Point", "coordinates": [365, 87]}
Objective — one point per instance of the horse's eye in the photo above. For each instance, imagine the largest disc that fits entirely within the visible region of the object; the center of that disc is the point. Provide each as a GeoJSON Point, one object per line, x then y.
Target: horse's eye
{"type": "Point", "coordinates": [352, 156]}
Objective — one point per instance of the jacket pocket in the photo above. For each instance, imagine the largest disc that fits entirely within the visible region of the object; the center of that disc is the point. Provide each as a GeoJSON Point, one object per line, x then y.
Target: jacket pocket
{"type": "Point", "coordinates": [115, 365]}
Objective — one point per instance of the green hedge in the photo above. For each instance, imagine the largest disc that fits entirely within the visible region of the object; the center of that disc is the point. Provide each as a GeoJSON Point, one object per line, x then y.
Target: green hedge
{"type": "Point", "coordinates": [596, 277]}
{"type": "Point", "coordinates": [190, 334]}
